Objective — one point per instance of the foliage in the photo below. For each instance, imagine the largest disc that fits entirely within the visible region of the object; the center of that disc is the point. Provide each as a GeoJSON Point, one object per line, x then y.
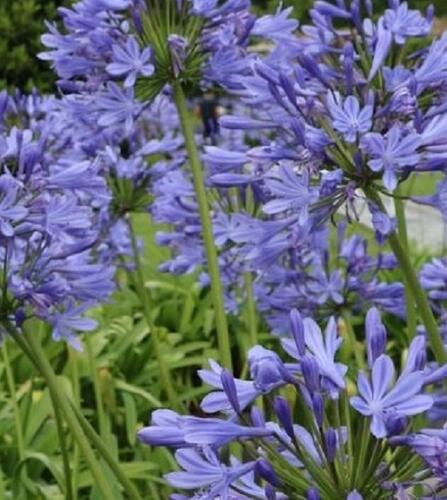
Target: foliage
{"type": "Point", "coordinates": [21, 26]}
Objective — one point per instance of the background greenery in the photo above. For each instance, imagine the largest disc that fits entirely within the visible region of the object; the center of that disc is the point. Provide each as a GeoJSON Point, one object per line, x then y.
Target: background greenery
{"type": "Point", "coordinates": [22, 23]}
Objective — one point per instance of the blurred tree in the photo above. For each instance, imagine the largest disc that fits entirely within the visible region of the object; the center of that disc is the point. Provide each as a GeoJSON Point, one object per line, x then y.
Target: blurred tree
{"type": "Point", "coordinates": [21, 25]}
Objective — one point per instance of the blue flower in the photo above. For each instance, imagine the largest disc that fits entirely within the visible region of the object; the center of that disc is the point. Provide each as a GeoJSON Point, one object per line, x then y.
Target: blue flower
{"type": "Point", "coordinates": [165, 430]}
{"type": "Point", "coordinates": [322, 350]}
{"type": "Point", "coordinates": [375, 336]}
{"type": "Point", "coordinates": [203, 7]}
{"type": "Point", "coordinates": [217, 432]}
{"type": "Point", "coordinates": [383, 42]}
{"type": "Point", "coordinates": [431, 445]}
{"type": "Point", "coordinates": [382, 223]}
{"type": "Point", "coordinates": [266, 369]}
{"type": "Point", "coordinates": [404, 23]}
{"type": "Point", "coordinates": [391, 153]}
{"type": "Point", "coordinates": [203, 469]}
{"type": "Point", "coordinates": [130, 62]}
{"type": "Point", "coordinates": [433, 278]}
{"type": "Point", "coordinates": [380, 399]}
{"type": "Point", "coordinates": [276, 27]}
{"type": "Point", "coordinates": [218, 400]}
{"type": "Point", "coordinates": [71, 320]}
{"type": "Point", "coordinates": [117, 107]}
{"type": "Point", "coordinates": [12, 210]}
{"type": "Point", "coordinates": [291, 191]}
{"type": "Point", "coordinates": [347, 116]}
{"type": "Point", "coordinates": [325, 287]}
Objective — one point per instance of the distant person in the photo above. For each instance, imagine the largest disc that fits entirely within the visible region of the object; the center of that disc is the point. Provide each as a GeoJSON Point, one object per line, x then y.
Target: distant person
{"type": "Point", "coordinates": [209, 112]}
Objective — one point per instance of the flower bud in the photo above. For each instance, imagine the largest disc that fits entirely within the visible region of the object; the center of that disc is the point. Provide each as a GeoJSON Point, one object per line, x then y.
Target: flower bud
{"type": "Point", "coordinates": [257, 417]}
{"type": "Point", "coordinates": [312, 494]}
{"type": "Point", "coordinates": [266, 368]}
{"type": "Point", "coordinates": [270, 493]}
{"type": "Point", "coordinates": [229, 388]}
{"type": "Point", "coordinates": [284, 414]}
{"type": "Point", "coordinates": [311, 373]}
{"type": "Point", "coordinates": [264, 470]}
{"type": "Point", "coordinates": [318, 408]}
{"type": "Point", "coordinates": [297, 326]}
{"type": "Point", "coordinates": [375, 335]}
{"type": "Point", "coordinates": [330, 441]}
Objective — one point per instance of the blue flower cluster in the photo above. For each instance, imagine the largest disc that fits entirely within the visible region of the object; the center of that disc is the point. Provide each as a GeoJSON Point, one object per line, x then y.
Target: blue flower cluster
{"type": "Point", "coordinates": [50, 202]}
{"type": "Point", "coordinates": [328, 444]}
{"type": "Point", "coordinates": [332, 118]}
{"type": "Point", "coordinates": [67, 185]}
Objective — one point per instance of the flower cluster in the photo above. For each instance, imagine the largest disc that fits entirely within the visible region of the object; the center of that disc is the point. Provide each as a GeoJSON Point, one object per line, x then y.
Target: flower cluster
{"type": "Point", "coordinates": [129, 40]}
{"type": "Point", "coordinates": [343, 111]}
{"type": "Point", "coordinates": [49, 210]}
{"type": "Point", "coordinates": [67, 186]}
{"type": "Point", "coordinates": [313, 439]}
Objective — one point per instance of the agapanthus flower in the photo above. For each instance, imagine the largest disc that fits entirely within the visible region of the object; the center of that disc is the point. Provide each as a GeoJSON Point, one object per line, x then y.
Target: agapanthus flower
{"type": "Point", "coordinates": [310, 104]}
{"type": "Point", "coordinates": [348, 118]}
{"type": "Point", "coordinates": [204, 469]}
{"type": "Point", "coordinates": [314, 459]}
{"type": "Point", "coordinates": [381, 400]}
{"type": "Point", "coordinates": [391, 153]}
{"type": "Point", "coordinates": [68, 187]}
{"type": "Point", "coordinates": [49, 226]}
{"type": "Point", "coordinates": [131, 62]}
{"type": "Point", "coordinates": [121, 44]}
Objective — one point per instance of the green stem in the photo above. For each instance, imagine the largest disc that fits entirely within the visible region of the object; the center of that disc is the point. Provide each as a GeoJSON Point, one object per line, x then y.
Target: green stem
{"type": "Point", "coordinates": [96, 388]}
{"type": "Point", "coordinates": [69, 492]}
{"type": "Point", "coordinates": [207, 228]}
{"type": "Point", "coordinates": [425, 311]}
{"type": "Point", "coordinates": [409, 297]}
{"type": "Point", "coordinates": [350, 445]}
{"type": "Point", "coordinates": [77, 397]}
{"type": "Point", "coordinates": [252, 318]}
{"type": "Point", "coordinates": [15, 405]}
{"type": "Point", "coordinates": [352, 341]}
{"type": "Point", "coordinates": [165, 374]}
{"type": "Point", "coordinates": [61, 399]}
{"type": "Point", "coordinates": [420, 297]}
{"type": "Point", "coordinates": [363, 444]}
{"type": "Point", "coordinates": [105, 453]}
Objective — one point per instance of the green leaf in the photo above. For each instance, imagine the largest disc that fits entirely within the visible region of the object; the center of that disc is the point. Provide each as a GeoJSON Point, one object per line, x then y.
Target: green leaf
{"type": "Point", "coordinates": [123, 386]}
{"type": "Point", "coordinates": [52, 464]}
{"type": "Point", "coordinates": [131, 417]}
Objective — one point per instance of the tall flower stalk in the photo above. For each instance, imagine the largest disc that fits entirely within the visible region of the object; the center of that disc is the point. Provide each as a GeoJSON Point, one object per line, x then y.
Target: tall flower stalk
{"type": "Point", "coordinates": [412, 281]}
{"type": "Point", "coordinates": [207, 228]}
{"type": "Point", "coordinates": [399, 206]}
{"type": "Point", "coordinates": [175, 38]}
{"type": "Point", "coordinates": [30, 345]}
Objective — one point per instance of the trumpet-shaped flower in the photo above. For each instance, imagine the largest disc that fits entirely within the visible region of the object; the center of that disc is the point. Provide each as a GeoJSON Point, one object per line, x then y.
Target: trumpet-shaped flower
{"type": "Point", "coordinates": [382, 399]}
{"type": "Point", "coordinates": [131, 62]}
{"type": "Point", "coordinates": [348, 118]}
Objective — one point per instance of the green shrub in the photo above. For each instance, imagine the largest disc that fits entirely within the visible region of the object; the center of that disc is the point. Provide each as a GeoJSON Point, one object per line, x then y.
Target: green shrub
{"type": "Point", "coordinates": [21, 25]}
